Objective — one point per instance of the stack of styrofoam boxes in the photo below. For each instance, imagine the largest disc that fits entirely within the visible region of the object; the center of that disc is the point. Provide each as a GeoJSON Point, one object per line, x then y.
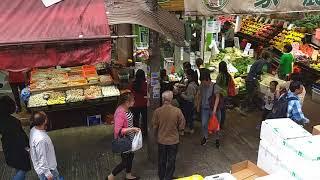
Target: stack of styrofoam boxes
{"type": "Point", "coordinates": [302, 158]}
{"type": "Point", "coordinates": [272, 150]}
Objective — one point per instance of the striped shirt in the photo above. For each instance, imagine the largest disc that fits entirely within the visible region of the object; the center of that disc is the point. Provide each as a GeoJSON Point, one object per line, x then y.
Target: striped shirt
{"type": "Point", "coordinates": [130, 124]}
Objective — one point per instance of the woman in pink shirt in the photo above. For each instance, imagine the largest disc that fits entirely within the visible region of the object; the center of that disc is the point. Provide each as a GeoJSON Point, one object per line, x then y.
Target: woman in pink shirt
{"type": "Point", "coordinates": [123, 124]}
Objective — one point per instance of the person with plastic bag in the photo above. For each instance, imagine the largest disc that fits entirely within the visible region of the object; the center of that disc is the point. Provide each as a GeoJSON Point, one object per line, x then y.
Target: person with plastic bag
{"type": "Point", "coordinates": [15, 142]}
{"type": "Point", "coordinates": [167, 122]}
{"type": "Point", "coordinates": [123, 126]}
{"type": "Point", "coordinates": [209, 104]}
{"type": "Point", "coordinates": [225, 81]}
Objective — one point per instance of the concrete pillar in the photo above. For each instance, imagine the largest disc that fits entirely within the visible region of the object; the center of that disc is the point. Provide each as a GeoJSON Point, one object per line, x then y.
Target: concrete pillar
{"type": "Point", "coordinates": [124, 45]}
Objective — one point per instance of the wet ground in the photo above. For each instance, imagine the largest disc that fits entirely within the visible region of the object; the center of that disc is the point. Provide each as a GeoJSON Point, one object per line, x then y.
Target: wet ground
{"type": "Point", "coordinates": [85, 153]}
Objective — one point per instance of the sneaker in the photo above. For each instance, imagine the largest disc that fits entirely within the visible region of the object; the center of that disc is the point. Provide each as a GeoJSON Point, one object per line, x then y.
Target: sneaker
{"type": "Point", "coordinates": [204, 142]}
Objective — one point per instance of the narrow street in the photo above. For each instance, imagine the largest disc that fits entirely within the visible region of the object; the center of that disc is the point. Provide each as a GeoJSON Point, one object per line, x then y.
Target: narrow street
{"type": "Point", "coordinates": [85, 153]}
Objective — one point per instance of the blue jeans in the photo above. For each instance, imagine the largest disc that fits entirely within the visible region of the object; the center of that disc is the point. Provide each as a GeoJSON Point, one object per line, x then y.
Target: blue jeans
{"type": "Point", "coordinates": [206, 114]}
{"type": "Point", "coordinates": [55, 174]}
{"type": "Point", "coordinates": [20, 175]}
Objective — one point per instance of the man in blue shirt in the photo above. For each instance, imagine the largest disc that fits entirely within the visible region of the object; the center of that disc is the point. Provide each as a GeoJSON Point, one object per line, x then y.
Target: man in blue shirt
{"type": "Point", "coordinates": [294, 106]}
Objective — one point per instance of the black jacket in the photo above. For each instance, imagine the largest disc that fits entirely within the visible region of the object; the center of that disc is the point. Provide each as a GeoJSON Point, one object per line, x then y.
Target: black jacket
{"type": "Point", "coordinates": [14, 141]}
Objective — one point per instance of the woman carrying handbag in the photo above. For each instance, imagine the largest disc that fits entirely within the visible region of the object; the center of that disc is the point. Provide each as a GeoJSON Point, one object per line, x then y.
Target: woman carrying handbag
{"type": "Point", "coordinates": [123, 130]}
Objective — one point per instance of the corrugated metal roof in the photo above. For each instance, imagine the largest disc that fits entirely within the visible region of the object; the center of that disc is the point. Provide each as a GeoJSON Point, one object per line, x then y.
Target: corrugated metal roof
{"type": "Point", "coordinates": [139, 12]}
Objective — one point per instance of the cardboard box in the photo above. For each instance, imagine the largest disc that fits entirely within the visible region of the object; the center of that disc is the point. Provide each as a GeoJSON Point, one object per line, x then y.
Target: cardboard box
{"type": "Point", "coordinates": [246, 170]}
{"type": "Point", "coordinates": [268, 157]}
{"type": "Point", "coordinates": [316, 130]}
{"type": "Point", "coordinates": [275, 131]}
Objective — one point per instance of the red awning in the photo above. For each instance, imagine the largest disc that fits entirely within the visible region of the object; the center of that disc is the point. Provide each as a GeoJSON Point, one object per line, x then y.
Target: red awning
{"type": "Point", "coordinates": [68, 22]}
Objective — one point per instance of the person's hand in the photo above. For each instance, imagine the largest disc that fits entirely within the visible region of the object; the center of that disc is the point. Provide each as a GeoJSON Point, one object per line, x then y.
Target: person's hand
{"type": "Point", "coordinates": [49, 177]}
{"type": "Point", "coordinates": [136, 130]}
{"type": "Point", "coordinates": [214, 112]}
{"type": "Point", "coordinates": [306, 121]}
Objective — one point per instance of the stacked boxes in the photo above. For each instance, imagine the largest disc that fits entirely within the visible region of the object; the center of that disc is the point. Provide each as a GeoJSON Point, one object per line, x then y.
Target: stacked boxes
{"type": "Point", "coordinates": [288, 150]}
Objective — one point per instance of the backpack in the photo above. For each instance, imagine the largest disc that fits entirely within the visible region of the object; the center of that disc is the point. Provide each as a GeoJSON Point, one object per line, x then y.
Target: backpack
{"type": "Point", "coordinates": [280, 107]}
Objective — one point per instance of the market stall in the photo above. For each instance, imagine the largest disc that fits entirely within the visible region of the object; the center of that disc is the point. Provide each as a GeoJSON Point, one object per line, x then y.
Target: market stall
{"type": "Point", "coordinates": [72, 90]}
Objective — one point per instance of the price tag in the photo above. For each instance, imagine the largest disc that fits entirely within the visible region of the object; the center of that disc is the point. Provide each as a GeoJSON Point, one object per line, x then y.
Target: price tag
{"type": "Point", "coordinates": [223, 41]}
{"type": "Point", "coordinates": [213, 26]}
{"type": "Point", "coordinates": [246, 50]}
{"type": "Point", "coordinates": [236, 42]}
{"type": "Point", "coordinates": [315, 54]}
{"type": "Point", "coordinates": [285, 25]}
{"type": "Point", "coordinates": [251, 53]}
{"type": "Point", "coordinates": [290, 26]}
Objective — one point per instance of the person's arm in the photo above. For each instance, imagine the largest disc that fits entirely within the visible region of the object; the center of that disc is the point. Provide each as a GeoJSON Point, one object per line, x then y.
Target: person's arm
{"type": "Point", "coordinates": [189, 94]}
{"type": "Point", "coordinates": [216, 103]}
{"type": "Point", "coordinates": [42, 162]}
{"type": "Point", "coordinates": [299, 113]}
{"type": "Point", "coordinates": [282, 59]}
{"type": "Point", "coordinates": [181, 121]}
{"type": "Point", "coordinates": [118, 125]}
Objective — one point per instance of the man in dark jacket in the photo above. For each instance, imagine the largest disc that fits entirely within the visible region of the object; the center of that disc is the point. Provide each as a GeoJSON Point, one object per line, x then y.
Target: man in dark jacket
{"type": "Point", "coordinates": [14, 140]}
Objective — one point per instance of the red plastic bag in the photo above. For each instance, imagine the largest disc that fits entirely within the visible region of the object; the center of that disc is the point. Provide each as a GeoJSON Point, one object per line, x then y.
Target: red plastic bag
{"type": "Point", "coordinates": [214, 125]}
{"type": "Point", "coordinates": [231, 88]}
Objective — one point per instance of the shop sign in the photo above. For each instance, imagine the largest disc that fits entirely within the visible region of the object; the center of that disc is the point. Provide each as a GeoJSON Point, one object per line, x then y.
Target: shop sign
{"type": "Point", "coordinates": [218, 7]}
{"type": "Point", "coordinates": [213, 26]}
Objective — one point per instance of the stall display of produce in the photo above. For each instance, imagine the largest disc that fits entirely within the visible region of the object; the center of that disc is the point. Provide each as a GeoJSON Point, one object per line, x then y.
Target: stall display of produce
{"type": "Point", "coordinates": [250, 26]}
{"type": "Point", "coordinates": [56, 98]}
{"type": "Point", "coordinates": [286, 37]}
{"type": "Point", "coordinates": [110, 91]}
{"type": "Point", "coordinates": [268, 32]}
{"type": "Point", "coordinates": [37, 100]}
{"type": "Point", "coordinates": [75, 95]}
{"type": "Point", "coordinates": [93, 92]}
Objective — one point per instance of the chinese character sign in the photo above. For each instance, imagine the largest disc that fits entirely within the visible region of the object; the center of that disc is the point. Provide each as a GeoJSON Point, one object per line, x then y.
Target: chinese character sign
{"type": "Point", "coordinates": [266, 3]}
{"type": "Point", "coordinates": [220, 7]}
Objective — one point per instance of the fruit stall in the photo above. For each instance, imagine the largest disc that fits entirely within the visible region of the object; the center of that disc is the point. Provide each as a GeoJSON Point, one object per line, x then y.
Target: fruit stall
{"type": "Point", "coordinates": [263, 32]}
{"type": "Point", "coordinates": [72, 95]}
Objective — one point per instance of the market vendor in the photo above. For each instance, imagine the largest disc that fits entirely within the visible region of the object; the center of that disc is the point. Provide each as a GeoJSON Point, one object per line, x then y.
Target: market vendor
{"type": "Point", "coordinates": [17, 83]}
{"type": "Point", "coordinates": [228, 33]}
{"type": "Point", "coordinates": [254, 75]}
{"type": "Point", "coordinates": [286, 63]}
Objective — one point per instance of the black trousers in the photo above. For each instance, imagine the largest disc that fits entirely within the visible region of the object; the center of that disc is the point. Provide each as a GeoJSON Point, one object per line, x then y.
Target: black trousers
{"type": "Point", "coordinates": [137, 111]}
{"type": "Point", "coordinates": [252, 93]}
{"type": "Point", "coordinates": [15, 87]}
{"type": "Point", "coordinates": [167, 161]}
{"type": "Point", "coordinates": [126, 163]}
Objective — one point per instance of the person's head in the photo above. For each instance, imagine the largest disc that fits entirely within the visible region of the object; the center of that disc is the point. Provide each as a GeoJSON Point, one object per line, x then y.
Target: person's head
{"type": "Point", "coordinates": [190, 75]}
{"type": "Point", "coordinates": [227, 25]}
{"type": "Point", "coordinates": [199, 62]}
{"type": "Point", "coordinates": [186, 66]}
{"type": "Point", "coordinates": [140, 77]}
{"type": "Point", "coordinates": [296, 77]}
{"type": "Point", "coordinates": [126, 99]}
{"type": "Point", "coordinates": [167, 97]}
{"type": "Point", "coordinates": [163, 73]}
{"type": "Point", "coordinates": [205, 77]}
{"type": "Point", "coordinates": [265, 55]}
{"type": "Point", "coordinates": [287, 48]}
{"type": "Point", "coordinates": [7, 106]}
{"type": "Point", "coordinates": [273, 85]}
{"type": "Point", "coordinates": [296, 87]}
{"type": "Point", "coordinates": [223, 67]}
{"type": "Point", "coordinates": [40, 120]}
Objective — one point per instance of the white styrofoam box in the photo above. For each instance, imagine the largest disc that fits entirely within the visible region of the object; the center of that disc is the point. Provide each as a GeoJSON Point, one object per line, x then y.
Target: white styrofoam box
{"type": "Point", "coordinates": [276, 176]}
{"type": "Point", "coordinates": [301, 170]}
{"type": "Point", "coordinates": [223, 176]}
{"type": "Point", "coordinates": [275, 131]}
{"type": "Point", "coordinates": [307, 148]}
{"type": "Point", "coordinates": [268, 157]}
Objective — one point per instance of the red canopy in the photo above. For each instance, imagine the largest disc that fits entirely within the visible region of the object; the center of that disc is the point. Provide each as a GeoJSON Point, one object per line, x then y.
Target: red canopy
{"type": "Point", "coordinates": [30, 22]}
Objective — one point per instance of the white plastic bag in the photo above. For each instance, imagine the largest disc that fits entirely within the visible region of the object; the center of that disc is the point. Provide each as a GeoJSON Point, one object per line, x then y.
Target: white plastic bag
{"type": "Point", "coordinates": [137, 142]}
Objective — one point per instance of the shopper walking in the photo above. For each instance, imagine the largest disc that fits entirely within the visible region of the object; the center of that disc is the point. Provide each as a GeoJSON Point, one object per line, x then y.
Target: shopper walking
{"type": "Point", "coordinates": [209, 104]}
{"type": "Point", "coordinates": [167, 122]}
{"type": "Point", "coordinates": [188, 97]}
{"type": "Point", "coordinates": [200, 68]}
{"type": "Point", "coordinates": [42, 150]}
{"type": "Point", "coordinates": [123, 125]}
{"type": "Point", "coordinates": [252, 80]}
{"type": "Point", "coordinates": [223, 80]}
{"type": "Point", "coordinates": [286, 63]}
{"type": "Point", "coordinates": [14, 140]}
{"type": "Point", "coordinates": [139, 89]}
{"type": "Point", "coordinates": [17, 83]}
{"type": "Point", "coordinates": [294, 106]}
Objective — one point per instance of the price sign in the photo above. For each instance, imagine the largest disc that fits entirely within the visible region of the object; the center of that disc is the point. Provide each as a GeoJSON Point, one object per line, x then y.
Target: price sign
{"type": "Point", "coordinates": [213, 26]}
{"type": "Point", "coordinates": [236, 42]}
{"type": "Point", "coordinates": [246, 49]}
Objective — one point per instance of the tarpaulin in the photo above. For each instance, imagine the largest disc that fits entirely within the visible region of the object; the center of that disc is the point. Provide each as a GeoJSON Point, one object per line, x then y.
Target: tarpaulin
{"type": "Point", "coordinates": [30, 22]}
{"type": "Point", "coordinates": [216, 7]}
